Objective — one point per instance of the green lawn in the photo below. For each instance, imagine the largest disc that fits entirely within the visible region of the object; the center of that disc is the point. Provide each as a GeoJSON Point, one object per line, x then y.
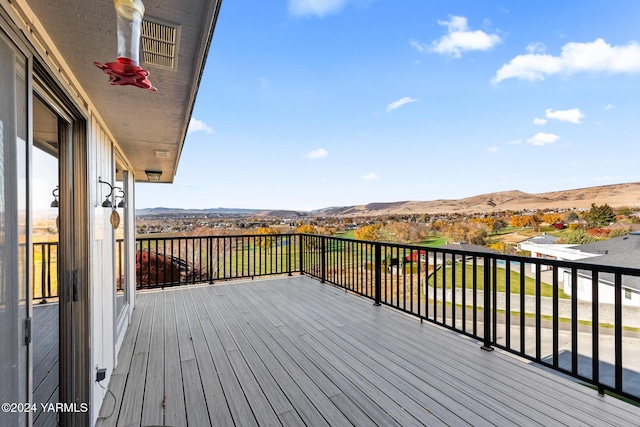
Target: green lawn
{"type": "Point", "coordinates": [433, 242]}
{"type": "Point", "coordinates": [349, 234]}
{"type": "Point", "coordinates": [546, 290]}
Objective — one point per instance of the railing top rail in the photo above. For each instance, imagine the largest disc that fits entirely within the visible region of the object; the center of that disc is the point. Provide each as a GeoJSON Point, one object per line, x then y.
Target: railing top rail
{"type": "Point", "coordinates": [230, 236]}
{"type": "Point", "coordinates": [584, 264]}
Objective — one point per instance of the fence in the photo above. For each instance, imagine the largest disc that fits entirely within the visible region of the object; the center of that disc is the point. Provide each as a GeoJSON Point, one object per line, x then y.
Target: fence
{"type": "Point", "coordinates": [162, 262]}
{"type": "Point", "coordinates": [573, 317]}
{"type": "Point", "coordinates": [508, 302]}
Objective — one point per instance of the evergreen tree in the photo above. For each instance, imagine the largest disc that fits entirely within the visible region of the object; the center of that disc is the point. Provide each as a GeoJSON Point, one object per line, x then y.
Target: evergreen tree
{"type": "Point", "coordinates": [600, 216]}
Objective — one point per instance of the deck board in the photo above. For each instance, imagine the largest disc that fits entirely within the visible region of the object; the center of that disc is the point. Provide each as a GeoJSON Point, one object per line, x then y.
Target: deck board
{"type": "Point", "coordinates": [45, 359]}
{"type": "Point", "coordinates": [217, 408]}
{"type": "Point", "coordinates": [292, 351]}
{"type": "Point", "coordinates": [152, 410]}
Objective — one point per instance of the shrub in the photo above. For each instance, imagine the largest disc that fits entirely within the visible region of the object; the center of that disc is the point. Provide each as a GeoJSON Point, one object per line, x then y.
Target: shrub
{"type": "Point", "coordinates": [619, 232]}
{"type": "Point", "coordinates": [152, 269]}
{"type": "Point", "coordinates": [599, 232]}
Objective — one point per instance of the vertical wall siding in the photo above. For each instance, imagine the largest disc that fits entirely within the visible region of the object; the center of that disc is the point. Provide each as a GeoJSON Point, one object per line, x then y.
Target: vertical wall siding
{"type": "Point", "coordinates": [102, 260]}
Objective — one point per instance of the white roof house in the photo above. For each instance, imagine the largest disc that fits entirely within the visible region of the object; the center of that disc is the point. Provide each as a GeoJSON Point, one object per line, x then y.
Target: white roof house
{"type": "Point", "coordinates": [620, 251]}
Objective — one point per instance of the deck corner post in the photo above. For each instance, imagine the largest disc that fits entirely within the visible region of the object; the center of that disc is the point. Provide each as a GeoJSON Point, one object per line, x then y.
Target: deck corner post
{"type": "Point", "coordinates": [378, 274]}
{"type": "Point", "coordinates": [487, 304]}
{"type": "Point", "coordinates": [323, 259]}
{"type": "Point", "coordinates": [301, 249]}
{"type": "Point", "coordinates": [289, 249]}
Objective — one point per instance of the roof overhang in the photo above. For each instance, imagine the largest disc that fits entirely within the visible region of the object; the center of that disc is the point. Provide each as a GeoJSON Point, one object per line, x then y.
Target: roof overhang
{"type": "Point", "coordinates": [149, 127]}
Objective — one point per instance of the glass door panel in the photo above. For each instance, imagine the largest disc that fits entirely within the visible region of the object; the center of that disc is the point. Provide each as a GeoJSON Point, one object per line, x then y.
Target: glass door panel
{"type": "Point", "coordinates": [14, 238]}
{"type": "Point", "coordinates": [45, 297]}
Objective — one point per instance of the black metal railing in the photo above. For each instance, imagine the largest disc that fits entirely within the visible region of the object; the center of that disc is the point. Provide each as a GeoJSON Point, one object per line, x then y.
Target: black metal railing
{"type": "Point", "coordinates": [162, 262]}
{"type": "Point", "coordinates": [544, 310]}
{"type": "Point", "coordinates": [45, 271]}
{"type": "Point", "coordinates": [572, 317]}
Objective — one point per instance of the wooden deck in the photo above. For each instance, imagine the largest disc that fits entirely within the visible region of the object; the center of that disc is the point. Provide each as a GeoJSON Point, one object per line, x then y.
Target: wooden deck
{"type": "Point", "coordinates": [45, 360]}
{"type": "Point", "coordinates": [293, 351]}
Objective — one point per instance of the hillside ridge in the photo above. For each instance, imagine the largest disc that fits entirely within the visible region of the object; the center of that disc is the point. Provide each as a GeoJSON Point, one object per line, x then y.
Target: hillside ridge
{"type": "Point", "coordinates": [615, 195]}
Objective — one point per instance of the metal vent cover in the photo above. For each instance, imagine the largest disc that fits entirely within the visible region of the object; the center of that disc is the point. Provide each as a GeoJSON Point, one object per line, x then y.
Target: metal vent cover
{"type": "Point", "coordinates": [159, 43]}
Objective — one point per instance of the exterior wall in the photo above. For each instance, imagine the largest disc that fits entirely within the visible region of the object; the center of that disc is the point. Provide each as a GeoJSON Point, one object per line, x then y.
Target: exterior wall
{"type": "Point", "coordinates": [105, 332]}
{"type": "Point", "coordinates": [606, 291]}
{"type": "Point", "coordinates": [107, 329]}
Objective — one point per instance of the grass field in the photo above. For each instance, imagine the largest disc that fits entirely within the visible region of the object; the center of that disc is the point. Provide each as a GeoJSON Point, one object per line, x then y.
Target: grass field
{"type": "Point", "coordinates": [546, 290]}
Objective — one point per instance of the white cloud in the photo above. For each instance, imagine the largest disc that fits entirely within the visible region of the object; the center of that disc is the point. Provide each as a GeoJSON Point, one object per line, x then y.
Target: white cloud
{"type": "Point", "coordinates": [514, 142]}
{"type": "Point", "coordinates": [534, 48]}
{"type": "Point", "coordinates": [317, 154]}
{"type": "Point", "coordinates": [609, 107]}
{"type": "Point", "coordinates": [539, 122]}
{"type": "Point", "coordinates": [399, 103]}
{"type": "Point", "coordinates": [196, 125]}
{"type": "Point", "coordinates": [319, 8]}
{"type": "Point", "coordinates": [542, 138]}
{"type": "Point", "coordinates": [492, 149]}
{"type": "Point", "coordinates": [572, 116]}
{"type": "Point", "coordinates": [459, 38]}
{"type": "Point", "coordinates": [371, 177]}
{"type": "Point", "coordinates": [594, 57]}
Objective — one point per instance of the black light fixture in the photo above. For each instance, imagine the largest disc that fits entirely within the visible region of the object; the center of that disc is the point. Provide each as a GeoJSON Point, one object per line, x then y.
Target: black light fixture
{"type": "Point", "coordinates": [55, 202]}
{"type": "Point", "coordinates": [153, 176]}
{"type": "Point", "coordinates": [107, 202]}
{"type": "Point", "coordinates": [122, 203]}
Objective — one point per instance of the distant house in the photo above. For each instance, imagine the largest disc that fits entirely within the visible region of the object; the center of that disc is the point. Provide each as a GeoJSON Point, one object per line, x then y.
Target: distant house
{"type": "Point", "coordinates": [543, 239]}
{"type": "Point", "coordinates": [468, 247]}
{"type": "Point", "coordinates": [620, 251]}
{"type": "Point", "coordinates": [539, 248]}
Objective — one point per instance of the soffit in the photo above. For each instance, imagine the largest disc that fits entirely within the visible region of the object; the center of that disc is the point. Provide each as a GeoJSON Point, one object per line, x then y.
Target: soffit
{"type": "Point", "coordinates": [141, 121]}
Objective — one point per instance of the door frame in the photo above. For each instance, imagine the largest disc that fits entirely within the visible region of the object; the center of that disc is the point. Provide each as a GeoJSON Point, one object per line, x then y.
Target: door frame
{"type": "Point", "coordinates": [74, 235]}
{"type": "Point", "coordinates": [73, 245]}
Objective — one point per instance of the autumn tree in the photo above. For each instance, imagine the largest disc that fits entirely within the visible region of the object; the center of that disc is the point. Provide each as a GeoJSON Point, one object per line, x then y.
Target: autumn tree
{"type": "Point", "coordinates": [306, 229]}
{"type": "Point", "coordinates": [467, 232]}
{"type": "Point", "coordinates": [267, 237]}
{"type": "Point", "coordinates": [437, 226]}
{"type": "Point", "coordinates": [522, 221]}
{"type": "Point", "coordinates": [551, 218]}
{"type": "Point", "coordinates": [493, 224]}
{"type": "Point", "coordinates": [368, 232]}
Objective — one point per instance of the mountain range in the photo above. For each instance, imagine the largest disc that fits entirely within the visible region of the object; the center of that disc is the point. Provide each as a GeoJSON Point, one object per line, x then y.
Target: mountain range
{"type": "Point", "coordinates": [615, 195]}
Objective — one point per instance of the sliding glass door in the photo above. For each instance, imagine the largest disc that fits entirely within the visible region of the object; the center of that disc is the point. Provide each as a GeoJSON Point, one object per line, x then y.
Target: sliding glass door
{"type": "Point", "coordinates": [14, 232]}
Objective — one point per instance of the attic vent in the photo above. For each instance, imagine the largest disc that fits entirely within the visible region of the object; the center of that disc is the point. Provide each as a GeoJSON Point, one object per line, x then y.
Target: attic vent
{"type": "Point", "coordinates": [159, 44]}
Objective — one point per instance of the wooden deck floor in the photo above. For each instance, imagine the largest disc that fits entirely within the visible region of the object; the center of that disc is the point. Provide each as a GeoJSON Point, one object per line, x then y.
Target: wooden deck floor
{"type": "Point", "coordinates": [45, 360]}
{"type": "Point", "coordinates": [292, 351]}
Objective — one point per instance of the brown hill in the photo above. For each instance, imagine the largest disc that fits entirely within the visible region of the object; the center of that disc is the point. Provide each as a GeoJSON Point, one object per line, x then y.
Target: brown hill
{"type": "Point", "coordinates": [614, 195]}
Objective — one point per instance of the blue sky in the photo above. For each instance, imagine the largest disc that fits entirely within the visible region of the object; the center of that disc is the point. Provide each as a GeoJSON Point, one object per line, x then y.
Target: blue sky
{"type": "Point", "coordinates": [306, 104]}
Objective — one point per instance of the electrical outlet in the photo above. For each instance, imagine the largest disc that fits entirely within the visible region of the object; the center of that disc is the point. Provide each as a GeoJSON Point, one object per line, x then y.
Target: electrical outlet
{"type": "Point", "coordinates": [101, 374]}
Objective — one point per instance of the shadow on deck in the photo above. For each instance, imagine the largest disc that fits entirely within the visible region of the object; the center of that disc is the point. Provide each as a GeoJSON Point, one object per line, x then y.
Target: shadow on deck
{"type": "Point", "coordinates": [292, 351]}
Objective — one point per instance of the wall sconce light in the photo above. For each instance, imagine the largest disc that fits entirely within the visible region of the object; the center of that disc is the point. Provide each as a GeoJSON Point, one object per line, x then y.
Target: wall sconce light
{"type": "Point", "coordinates": [125, 70]}
{"type": "Point", "coordinates": [122, 203]}
{"type": "Point", "coordinates": [55, 202]}
{"type": "Point", "coordinates": [107, 202]}
{"type": "Point", "coordinates": [153, 176]}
